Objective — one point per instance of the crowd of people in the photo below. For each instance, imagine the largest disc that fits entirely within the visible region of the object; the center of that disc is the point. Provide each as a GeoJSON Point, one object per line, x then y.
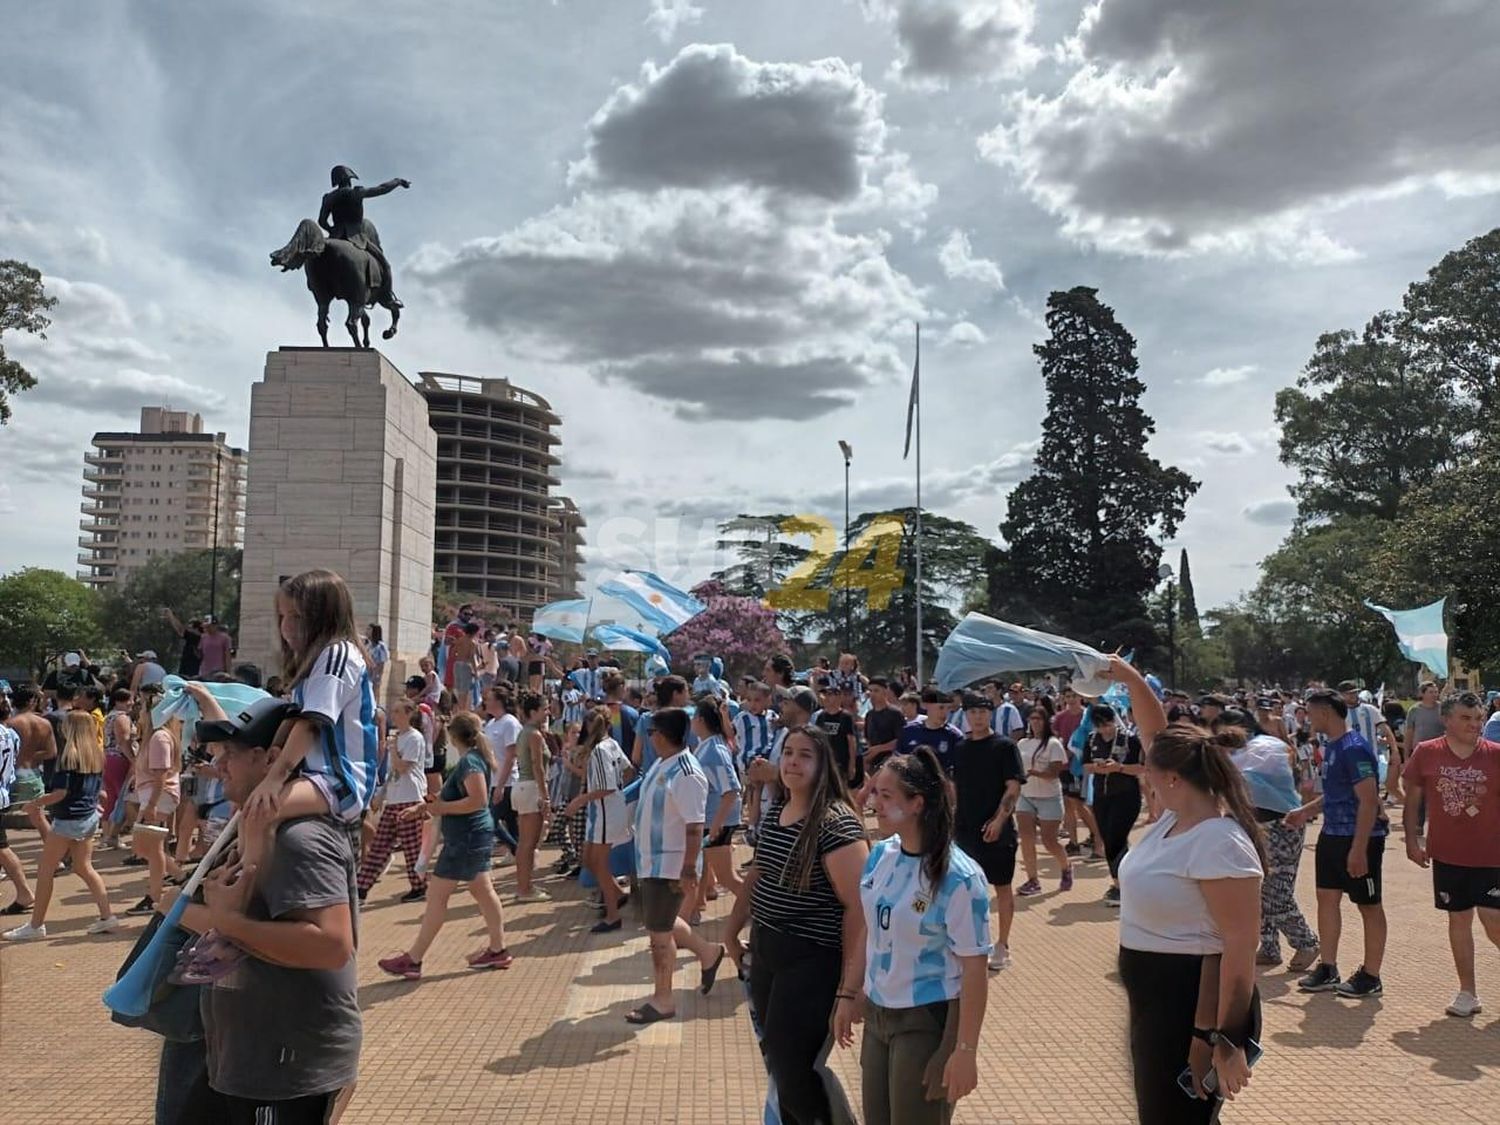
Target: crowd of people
{"type": "Point", "coordinates": [865, 828]}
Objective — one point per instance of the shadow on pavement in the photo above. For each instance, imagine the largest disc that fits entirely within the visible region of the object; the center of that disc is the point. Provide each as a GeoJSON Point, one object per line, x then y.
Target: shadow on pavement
{"type": "Point", "coordinates": [1458, 1048]}
{"type": "Point", "coordinates": [1330, 1022]}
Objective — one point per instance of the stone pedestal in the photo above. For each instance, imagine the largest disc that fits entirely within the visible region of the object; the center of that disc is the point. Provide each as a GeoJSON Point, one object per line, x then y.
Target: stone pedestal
{"type": "Point", "coordinates": [342, 475]}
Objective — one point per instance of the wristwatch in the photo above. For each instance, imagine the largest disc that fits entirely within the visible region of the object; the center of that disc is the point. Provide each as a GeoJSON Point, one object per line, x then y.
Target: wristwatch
{"type": "Point", "coordinates": [1213, 1037]}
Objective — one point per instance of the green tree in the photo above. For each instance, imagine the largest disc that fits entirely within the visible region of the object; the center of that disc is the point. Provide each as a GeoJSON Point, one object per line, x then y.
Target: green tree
{"type": "Point", "coordinates": [1188, 624]}
{"type": "Point", "coordinates": [131, 612]}
{"type": "Point", "coordinates": [1311, 596]}
{"type": "Point", "coordinates": [767, 553]}
{"type": "Point", "coordinates": [1083, 531]}
{"type": "Point", "coordinates": [42, 613]}
{"type": "Point", "coordinates": [1438, 548]}
{"type": "Point", "coordinates": [1366, 422]}
{"type": "Point", "coordinates": [23, 308]}
{"type": "Point", "coordinates": [1454, 319]}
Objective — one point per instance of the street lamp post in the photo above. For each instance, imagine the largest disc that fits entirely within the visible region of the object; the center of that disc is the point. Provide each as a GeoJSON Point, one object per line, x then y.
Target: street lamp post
{"type": "Point", "coordinates": [848, 451]}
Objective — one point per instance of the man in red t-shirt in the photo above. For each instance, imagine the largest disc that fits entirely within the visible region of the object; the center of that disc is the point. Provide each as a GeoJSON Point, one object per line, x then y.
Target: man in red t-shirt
{"type": "Point", "coordinates": [1459, 777]}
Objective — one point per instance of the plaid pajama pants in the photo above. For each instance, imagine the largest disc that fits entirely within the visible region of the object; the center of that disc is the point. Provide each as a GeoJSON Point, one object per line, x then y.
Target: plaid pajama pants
{"type": "Point", "coordinates": [391, 833]}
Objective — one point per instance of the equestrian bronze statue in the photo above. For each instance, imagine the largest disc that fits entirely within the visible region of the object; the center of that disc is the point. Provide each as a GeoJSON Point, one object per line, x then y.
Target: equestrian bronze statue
{"type": "Point", "coordinates": [343, 259]}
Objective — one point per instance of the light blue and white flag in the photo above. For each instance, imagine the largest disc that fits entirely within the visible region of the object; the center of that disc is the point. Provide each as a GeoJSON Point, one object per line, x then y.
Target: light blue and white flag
{"type": "Point", "coordinates": [1419, 634]}
{"type": "Point", "coordinates": [563, 621]}
{"type": "Point", "coordinates": [981, 647]}
{"type": "Point", "coordinates": [661, 605]}
{"type": "Point", "coordinates": [617, 638]}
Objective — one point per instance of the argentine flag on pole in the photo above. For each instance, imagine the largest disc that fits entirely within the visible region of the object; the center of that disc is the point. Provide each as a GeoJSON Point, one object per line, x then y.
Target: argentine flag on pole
{"type": "Point", "coordinates": [617, 638]}
{"type": "Point", "coordinates": [563, 621]}
{"type": "Point", "coordinates": [661, 605]}
{"type": "Point", "coordinates": [1419, 634]}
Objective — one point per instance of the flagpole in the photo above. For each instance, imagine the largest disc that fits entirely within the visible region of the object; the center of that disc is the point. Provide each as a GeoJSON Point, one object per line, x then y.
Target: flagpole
{"type": "Point", "coordinates": [918, 396]}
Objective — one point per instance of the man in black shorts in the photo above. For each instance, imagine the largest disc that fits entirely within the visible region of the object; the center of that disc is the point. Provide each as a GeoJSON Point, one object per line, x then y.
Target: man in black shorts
{"type": "Point", "coordinates": [987, 778]}
{"type": "Point", "coordinates": [1458, 776]}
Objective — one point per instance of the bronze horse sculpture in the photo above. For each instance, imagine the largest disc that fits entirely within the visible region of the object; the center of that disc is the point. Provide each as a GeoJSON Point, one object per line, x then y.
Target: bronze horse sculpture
{"type": "Point", "coordinates": [343, 259]}
{"type": "Point", "coordinates": [337, 270]}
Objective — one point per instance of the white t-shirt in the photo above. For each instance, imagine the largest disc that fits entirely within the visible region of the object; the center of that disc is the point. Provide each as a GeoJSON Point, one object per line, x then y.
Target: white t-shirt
{"type": "Point", "coordinates": [1162, 908]}
{"type": "Point", "coordinates": [1035, 756]}
{"type": "Point", "coordinates": [411, 788]}
{"type": "Point", "coordinates": [501, 734]}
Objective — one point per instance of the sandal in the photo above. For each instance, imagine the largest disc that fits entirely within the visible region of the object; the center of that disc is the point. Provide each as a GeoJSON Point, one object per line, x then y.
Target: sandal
{"type": "Point", "coordinates": [645, 1014]}
{"type": "Point", "coordinates": [712, 971]}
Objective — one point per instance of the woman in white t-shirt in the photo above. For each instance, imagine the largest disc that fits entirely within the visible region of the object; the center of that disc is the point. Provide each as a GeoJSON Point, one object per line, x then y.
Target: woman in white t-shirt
{"type": "Point", "coordinates": [406, 788]}
{"type": "Point", "coordinates": [1041, 802]}
{"type": "Point", "coordinates": [1189, 920]}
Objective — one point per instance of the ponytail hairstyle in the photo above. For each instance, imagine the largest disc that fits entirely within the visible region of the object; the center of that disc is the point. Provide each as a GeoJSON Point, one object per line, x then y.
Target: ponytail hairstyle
{"type": "Point", "coordinates": [829, 798]}
{"type": "Point", "coordinates": [463, 732]}
{"type": "Point", "coordinates": [1202, 760]}
{"type": "Point", "coordinates": [707, 711]}
{"type": "Point", "coordinates": [919, 775]}
{"type": "Point", "coordinates": [596, 724]}
{"type": "Point", "coordinates": [529, 704]}
{"type": "Point", "coordinates": [81, 749]}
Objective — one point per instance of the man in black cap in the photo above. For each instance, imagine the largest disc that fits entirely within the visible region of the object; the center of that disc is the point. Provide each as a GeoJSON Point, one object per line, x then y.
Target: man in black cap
{"type": "Point", "coordinates": [282, 1027]}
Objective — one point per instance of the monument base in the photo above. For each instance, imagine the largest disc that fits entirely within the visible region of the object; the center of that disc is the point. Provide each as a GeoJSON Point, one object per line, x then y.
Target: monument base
{"type": "Point", "coordinates": [342, 476]}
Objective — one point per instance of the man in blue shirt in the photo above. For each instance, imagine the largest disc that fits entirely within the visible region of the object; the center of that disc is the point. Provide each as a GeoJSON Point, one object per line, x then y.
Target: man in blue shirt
{"type": "Point", "coordinates": [1350, 848]}
{"type": "Point", "coordinates": [934, 730]}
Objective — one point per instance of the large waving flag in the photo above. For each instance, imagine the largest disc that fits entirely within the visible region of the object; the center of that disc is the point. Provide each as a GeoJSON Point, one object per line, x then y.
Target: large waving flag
{"type": "Point", "coordinates": [981, 647]}
{"type": "Point", "coordinates": [661, 605]}
{"type": "Point", "coordinates": [564, 621]}
{"type": "Point", "coordinates": [1419, 634]}
{"type": "Point", "coordinates": [617, 638]}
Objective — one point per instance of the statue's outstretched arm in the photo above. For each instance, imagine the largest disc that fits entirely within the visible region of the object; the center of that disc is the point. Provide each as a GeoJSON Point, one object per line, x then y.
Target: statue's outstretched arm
{"type": "Point", "coordinates": [386, 188]}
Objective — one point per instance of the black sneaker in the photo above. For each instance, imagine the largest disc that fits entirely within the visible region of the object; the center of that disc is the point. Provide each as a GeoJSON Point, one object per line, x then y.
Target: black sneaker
{"type": "Point", "coordinates": [1112, 897]}
{"type": "Point", "coordinates": [145, 906]}
{"type": "Point", "coordinates": [1073, 849]}
{"type": "Point", "coordinates": [415, 895]}
{"type": "Point", "coordinates": [1360, 986]}
{"type": "Point", "coordinates": [1323, 978]}
{"type": "Point", "coordinates": [134, 861]}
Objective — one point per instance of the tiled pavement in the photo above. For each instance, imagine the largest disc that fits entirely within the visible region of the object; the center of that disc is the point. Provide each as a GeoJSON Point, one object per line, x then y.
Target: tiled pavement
{"type": "Point", "coordinates": [545, 1041]}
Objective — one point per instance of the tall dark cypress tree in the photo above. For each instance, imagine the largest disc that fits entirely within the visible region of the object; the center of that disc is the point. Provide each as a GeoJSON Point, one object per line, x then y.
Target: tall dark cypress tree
{"type": "Point", "coordinates": [1187, 601]}
{"type": "Point", "coordinates": [1083, 532]}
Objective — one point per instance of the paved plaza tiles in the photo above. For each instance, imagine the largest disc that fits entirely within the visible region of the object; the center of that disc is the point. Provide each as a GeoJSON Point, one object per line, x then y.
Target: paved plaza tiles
{"type": "Point", "coordinates": [546, 1041]}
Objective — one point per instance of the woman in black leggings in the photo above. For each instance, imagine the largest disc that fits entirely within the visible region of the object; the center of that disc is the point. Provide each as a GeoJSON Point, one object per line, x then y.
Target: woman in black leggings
{"type": "Point", "coordinates": [807, 936]}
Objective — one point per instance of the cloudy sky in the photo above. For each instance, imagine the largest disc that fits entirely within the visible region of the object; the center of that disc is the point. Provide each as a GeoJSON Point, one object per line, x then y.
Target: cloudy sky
{"type": "Point", "coordinates": [705, 230]}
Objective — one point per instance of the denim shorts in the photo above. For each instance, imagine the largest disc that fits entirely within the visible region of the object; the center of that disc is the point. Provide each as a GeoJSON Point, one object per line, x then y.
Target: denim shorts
{"type": "Point", "coordinates": [1043, 808]}
{"type": "Point", "coordinates": [465, 863]}
{"type": "Point", "coordinates": [81, 829]}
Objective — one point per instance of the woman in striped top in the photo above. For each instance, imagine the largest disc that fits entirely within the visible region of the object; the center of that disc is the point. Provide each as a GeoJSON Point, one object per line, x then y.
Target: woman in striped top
{"type": "Point", "coordinates": [808, 932]}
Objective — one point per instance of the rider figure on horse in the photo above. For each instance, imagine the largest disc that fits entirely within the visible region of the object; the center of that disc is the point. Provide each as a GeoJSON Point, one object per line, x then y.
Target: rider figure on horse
{"type": "Point", "coordinates": [343, 216]}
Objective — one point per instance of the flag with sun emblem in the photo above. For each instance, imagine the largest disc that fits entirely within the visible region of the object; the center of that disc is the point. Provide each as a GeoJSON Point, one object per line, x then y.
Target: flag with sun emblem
{"type": "Point", "coordinates": [661, 605]}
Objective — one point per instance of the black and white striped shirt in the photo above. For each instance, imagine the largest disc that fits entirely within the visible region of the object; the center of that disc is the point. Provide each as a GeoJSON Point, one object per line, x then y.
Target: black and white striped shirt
{"type": "Point", "coordinates": [815, 914]}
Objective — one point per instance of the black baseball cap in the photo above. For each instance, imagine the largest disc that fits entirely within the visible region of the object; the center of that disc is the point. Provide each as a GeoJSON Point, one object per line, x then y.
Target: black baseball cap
{"type": "Point", "coordinates": [255, 726]}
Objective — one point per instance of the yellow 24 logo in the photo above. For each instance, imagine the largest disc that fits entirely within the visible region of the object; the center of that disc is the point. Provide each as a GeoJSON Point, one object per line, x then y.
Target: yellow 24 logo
{"type": "Point", "coordinates": [870, 564]}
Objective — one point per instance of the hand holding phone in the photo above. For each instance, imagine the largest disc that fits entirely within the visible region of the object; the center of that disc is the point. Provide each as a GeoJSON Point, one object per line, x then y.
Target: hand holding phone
{"type": "Point", "coordinates": [1253, 1054]}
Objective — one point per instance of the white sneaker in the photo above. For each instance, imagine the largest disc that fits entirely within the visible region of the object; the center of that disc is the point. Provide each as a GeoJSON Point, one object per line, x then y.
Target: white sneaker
{"type": "Point", "coordinates": [1464, 1005]}
{"type": "Point", "coordinates": [536, 895]}
{"type": "Point", "coordinates": [1000, 958]}
{"type": "Point", "coordinates": [28, 932]}
{"type": "Point", "coordinates": [105, 926]}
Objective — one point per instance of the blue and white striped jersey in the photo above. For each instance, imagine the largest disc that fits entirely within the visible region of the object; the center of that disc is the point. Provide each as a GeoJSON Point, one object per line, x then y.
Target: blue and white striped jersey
{"type": "Point", "coordinates": [337, 695]}
{"type": "Point", "coordinates": [672, 796]}
{"type": "Point", "coordinates": [754, 734]}
{"type": "Point", "coordinates": [590, 681]}
{"type": "Point", "coordinates": [1367, 720]}
{"type": "Point", "coordinates": [916, 935]}
{"type": "Point", "coordinates": [718, 768]}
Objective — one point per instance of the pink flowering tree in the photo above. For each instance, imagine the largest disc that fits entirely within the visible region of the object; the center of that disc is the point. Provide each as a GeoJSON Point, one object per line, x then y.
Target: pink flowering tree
{"type": "Point", "coordinates": [740, 631]}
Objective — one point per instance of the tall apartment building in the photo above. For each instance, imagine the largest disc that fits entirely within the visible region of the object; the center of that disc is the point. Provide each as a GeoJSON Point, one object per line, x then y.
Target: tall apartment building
{"type": "Point", "coordinates": [171, 487]}
{"type": "Point", "coordinates": [499, 533]}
